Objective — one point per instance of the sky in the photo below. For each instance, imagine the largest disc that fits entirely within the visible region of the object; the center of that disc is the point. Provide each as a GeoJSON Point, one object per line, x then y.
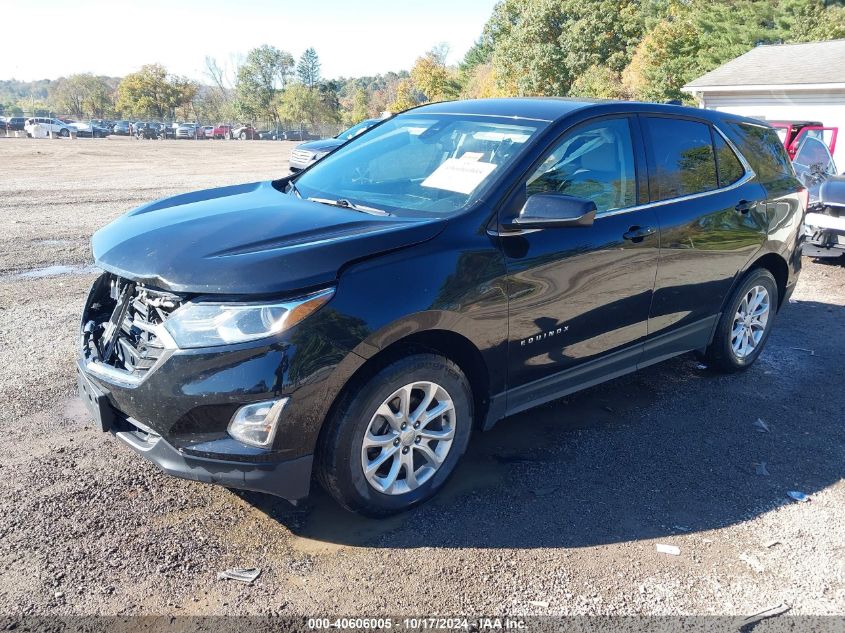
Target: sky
{"type": "Point", "coordinates": [51, 38]}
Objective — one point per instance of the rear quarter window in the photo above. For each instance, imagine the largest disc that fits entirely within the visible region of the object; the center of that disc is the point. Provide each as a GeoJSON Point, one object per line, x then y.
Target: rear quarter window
{"type": "Point", "coordinates": [764, 151]}
{"type": "Point", "coordinates": [729, 167]}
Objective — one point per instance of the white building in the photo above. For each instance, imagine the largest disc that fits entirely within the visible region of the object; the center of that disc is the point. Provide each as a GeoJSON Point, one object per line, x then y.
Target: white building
{"type": "Point", "coordinates": [786, 82]}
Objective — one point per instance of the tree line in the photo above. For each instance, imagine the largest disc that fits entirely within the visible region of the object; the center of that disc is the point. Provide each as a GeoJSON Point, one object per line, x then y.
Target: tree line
{"type": "Point", "coordinates": [622, 49]}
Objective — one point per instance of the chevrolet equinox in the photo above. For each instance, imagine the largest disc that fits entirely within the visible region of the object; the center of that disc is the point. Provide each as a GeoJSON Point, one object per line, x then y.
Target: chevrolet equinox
{"type": "Point", "coordinates": [451, 266]}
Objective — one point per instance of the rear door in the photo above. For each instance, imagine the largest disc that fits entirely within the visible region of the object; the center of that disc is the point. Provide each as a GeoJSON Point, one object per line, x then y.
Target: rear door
{"type": "Point", "coordinates": [713, 218]}
{"type": "Point", "coordinates": [579, 297]}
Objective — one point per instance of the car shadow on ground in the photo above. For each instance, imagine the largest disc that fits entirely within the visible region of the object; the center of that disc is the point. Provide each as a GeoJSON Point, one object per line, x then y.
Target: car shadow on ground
{"type": "Point", "coordinates": [672, 449]}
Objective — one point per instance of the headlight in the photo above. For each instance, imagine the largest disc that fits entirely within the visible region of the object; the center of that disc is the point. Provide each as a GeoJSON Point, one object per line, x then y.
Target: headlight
{"type": "Point", "coordinates": [317, 156]}
{"type": "Point", "coordinates": [205, 324]}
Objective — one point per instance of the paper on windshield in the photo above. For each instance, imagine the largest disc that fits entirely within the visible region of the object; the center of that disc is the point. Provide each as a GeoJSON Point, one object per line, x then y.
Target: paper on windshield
{"type": "Point", "coordinates": [460, 176]}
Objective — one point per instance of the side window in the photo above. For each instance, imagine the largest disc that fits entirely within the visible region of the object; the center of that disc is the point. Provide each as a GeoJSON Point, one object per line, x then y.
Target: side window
{"type": "Point", "coordinates": [683, 157]}
{"type": "Point", "coordinates": [595, 161]}
{"type": "Point", "coordinates": [730, 169]}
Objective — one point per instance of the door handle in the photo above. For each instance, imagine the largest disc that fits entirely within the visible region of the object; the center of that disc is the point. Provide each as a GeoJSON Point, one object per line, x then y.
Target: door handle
{"type": "Point", "coordinates": [744, 206]}
{"type": "Point", "coordinates": [638, 233]}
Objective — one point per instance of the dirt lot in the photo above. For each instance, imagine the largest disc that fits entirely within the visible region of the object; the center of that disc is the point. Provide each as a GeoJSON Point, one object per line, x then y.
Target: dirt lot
{"type": "Point", "coordinates": [555, 511]}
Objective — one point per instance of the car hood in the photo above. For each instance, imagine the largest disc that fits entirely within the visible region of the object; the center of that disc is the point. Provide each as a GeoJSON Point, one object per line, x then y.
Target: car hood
{"type": "Point", "coordinates": [247, 239]}
{"type": "Point", "coordinates": [323, 145]}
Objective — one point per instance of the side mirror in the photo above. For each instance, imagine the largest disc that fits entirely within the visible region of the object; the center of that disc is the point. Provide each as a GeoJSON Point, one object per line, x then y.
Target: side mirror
{"type": "Point", "coordinates": [554, 210]}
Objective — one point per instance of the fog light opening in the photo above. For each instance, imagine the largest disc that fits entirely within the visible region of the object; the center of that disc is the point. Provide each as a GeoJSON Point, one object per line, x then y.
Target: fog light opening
{"type": "Point", "coordinates": [255, 424]}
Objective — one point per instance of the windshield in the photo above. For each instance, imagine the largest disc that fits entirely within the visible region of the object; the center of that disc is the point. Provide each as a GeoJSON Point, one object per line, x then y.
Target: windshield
{"type": "Point", "coordinates": [355, 130]}
{"type": "Point", "coordinates": [437, 164]}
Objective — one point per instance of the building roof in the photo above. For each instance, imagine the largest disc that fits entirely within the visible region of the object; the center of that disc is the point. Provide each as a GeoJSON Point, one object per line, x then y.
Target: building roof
{"type": "Point", "coordinates": [813, 63]}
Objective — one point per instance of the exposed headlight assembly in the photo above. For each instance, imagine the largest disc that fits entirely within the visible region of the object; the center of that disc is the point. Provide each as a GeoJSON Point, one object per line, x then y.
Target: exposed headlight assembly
{"type": "Point", "coordinates": [206, 324]}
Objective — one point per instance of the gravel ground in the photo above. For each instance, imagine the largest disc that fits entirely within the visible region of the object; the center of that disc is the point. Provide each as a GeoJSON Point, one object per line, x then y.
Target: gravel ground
{"type": "Point", "coordinates": [556, 511]}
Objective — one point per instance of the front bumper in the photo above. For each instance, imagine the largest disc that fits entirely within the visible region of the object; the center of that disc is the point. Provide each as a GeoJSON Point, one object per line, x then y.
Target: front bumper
{"type": "Point", "coordinates": [222, 461]}
{"type": "Point", "coordinates": [288, 479]}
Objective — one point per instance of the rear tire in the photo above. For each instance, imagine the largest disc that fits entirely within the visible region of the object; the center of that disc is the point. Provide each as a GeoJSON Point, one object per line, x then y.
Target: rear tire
{"type": "Point", "coordinates": [745, 324]}
{"type": "Point", "coordinates": [64, 133]}
{"type": "Point", "coordinates": [407, 450]}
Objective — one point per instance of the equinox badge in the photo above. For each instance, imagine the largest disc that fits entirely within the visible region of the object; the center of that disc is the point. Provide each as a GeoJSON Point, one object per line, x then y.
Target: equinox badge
{"type": "Point", "coordinates": [544, 335]}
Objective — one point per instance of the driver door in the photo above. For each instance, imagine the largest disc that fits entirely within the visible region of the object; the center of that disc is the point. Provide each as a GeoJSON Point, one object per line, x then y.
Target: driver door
{"type": "Point", "coordinates": [579, 297]}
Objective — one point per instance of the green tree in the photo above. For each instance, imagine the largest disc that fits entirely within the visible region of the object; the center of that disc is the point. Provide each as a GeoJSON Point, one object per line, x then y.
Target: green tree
{"type": "Point", "coordinates": [82, 95]}
{"type": "Point", "coordinates": [265, 72]}
{"type": "Point", "coordinates": [527, 57]}
{"type": "Point", "coordinates": [599, 82]}
{"type": "Point", "coordinates": [308, 68]}
{"type": "Point", "coordinates": [300, 106]}
{"type": "Point", "coordinates": [665, 60]}
{"type": "Point", "coordinates": [152, 92]}
{"type": "Point", "coordinates": [599, 33]}
{"type": "Point", "coordinates": [433, 78]}
{"type": "Point", "coordinates": [404, 97]}
{"type": "Point", "coordinates": [360, 106]}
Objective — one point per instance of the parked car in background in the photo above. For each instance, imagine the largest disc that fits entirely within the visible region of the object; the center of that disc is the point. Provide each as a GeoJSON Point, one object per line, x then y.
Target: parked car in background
{"type": "Point", "coordinates": [534, 248]}
{"type": "Point", "coordinates": [792, 134]}
{"type": "Point", "coordinates": [813, 163]}
{"type": "Point", "coordinates": [299, 135]}
{"type": "Point", "coordinates": [222, 130]}
{"type": "Point", "coordinates": [276, 134]}
{"type": "Point", "coordinates": [306, 154]}
{"type": "Point", "coordinates": [89, 129]}
{"type": "Point", "coordinates": [189, 130]}
{"type": "Point", "coordinates": [824, 224]}
{"type": "Point", "coordinates": [15, 123]}
{"type": "Point", "coordinates": [168, 130]}
{"type": "Point", "coordinates": [245, 132]}
{"type": "Point", "coordinates": [208, 131]}
{"type": "Point", "coordinates": [104, 123]}
{"type": "Point", "coordinates": [122, 128]}
{"type": "Point", "coordinates": [147, 130]}
{"type": "Point", "coordinates": [54, 126]}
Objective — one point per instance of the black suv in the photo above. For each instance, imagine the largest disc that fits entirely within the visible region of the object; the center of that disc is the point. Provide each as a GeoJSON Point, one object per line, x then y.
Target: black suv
{"type": "Point", "coordinates": [15, 123]}
{"type": "Point", "coordinates": [449, 267]}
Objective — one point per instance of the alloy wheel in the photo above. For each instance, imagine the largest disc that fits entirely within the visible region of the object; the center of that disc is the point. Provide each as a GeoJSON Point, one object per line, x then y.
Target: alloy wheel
{"type": "Point", "coordinates": [750, 322]}
{"type": "Point", "coordinates": [408, 438]}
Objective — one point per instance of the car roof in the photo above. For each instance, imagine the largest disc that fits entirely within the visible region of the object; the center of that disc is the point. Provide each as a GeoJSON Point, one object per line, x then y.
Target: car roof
{"type": "Point", "coordinates": [552, 109]}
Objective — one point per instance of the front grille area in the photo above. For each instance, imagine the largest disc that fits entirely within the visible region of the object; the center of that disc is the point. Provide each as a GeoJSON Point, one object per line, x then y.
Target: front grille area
{"type": "Point", "coordinates": [121, 322]}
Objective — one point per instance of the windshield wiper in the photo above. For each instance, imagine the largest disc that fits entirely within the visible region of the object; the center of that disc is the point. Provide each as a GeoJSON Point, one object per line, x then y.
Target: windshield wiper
{"type": "Point", "coordinates": [293, 188]}
{"type": "Point", "coordinates": [346, 204]}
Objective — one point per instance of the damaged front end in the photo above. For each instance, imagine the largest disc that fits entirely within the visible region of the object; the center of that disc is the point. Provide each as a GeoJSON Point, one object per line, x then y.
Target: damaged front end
{"type": "Point", "coordinates": [176, 407]}
{"type": "Point", "coordinates": [824, 224]}
{"type": "Point", "coordinates": [123, 333]}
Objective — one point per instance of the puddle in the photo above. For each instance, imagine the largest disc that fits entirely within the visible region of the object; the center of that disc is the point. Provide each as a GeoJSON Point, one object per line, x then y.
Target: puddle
{"type": "Point", "coordinates": [57, 270]}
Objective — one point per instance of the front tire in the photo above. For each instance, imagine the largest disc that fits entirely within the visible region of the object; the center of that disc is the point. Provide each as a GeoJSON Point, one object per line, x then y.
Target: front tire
{"type": "Point", "coordinates": [393, 442]}
{"type": "Point", "coordinates": [745, 324]}
{"type": "Point", "coordinates": [64, 132]}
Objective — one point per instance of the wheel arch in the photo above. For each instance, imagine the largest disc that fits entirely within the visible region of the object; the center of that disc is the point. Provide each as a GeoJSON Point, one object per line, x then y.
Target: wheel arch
{"type": "Point", "coordinates": [451, 345]}
{"type": "Point", "coordinates": [776, 265]}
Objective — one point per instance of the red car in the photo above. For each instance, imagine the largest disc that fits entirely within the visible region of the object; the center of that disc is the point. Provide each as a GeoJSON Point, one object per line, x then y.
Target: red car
{"type": "Point", "coordinates": [222, 131]}
{"type": "Point", "coordinates": [792, 133]}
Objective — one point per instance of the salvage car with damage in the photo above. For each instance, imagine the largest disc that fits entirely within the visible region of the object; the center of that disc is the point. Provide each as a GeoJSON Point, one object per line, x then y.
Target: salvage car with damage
{"type": "Point", "coordinates": [454, 265]}
{"type": "Point", "coordinates": [824, 224]}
